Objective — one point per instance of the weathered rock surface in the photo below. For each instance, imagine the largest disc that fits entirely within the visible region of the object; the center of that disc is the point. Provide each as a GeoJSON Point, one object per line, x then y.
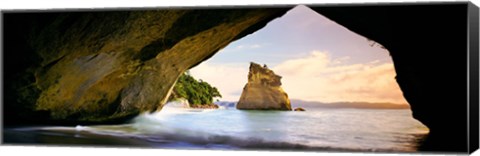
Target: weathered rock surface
{"type": "Point", "coordinates": [122, 63]}
{"type": "Point", "coordinates": [101, 67]}
{"type": "Point", "coordinates": [263, 91]}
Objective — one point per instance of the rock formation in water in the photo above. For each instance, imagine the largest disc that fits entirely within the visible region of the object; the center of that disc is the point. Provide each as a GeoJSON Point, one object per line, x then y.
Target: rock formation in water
{"type": "Point", "coordinates": [106, 67]}
{"type": "Point", "coordinates": [263, 91]}
{"type": "Point", "coordinates": [299, 109]}
{"type": "Point", "coordinates": [110, 66]}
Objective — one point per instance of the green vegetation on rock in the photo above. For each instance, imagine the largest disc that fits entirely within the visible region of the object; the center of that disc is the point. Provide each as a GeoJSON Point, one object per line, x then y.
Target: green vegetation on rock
{"type": "Point", "coordinates": [196, 92]}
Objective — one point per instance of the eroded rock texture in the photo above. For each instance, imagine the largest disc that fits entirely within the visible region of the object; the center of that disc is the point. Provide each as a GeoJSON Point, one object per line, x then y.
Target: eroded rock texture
{"type": "Point", "coordinates": [100, 67]}
{"type": "Point", "coordinates": [263, 91]}
{"type": "Point", "coordinates": [109, 66]}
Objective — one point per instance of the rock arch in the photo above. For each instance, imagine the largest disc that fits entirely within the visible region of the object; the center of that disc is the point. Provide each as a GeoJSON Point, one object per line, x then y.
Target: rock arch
{"type": "Point", "coordinates": [106, 67]}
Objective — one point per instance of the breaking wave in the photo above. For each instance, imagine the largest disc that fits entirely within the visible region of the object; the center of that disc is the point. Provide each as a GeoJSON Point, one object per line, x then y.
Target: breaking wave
{"type": "Point", "coordinates": [338, 130]}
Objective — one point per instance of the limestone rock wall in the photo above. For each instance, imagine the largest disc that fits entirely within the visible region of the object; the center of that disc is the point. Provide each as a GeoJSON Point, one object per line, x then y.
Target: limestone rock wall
{"type": "Point", "coordinates": [263, 91]}
{"type": "Point", "coordinates": [100, 67]}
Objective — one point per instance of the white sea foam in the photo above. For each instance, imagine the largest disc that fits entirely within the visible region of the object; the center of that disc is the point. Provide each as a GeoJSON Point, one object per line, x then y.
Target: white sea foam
{"type": "Point", "coordinates": [80, 128]}
{"type": "Point", "coordinates": [349, 129]}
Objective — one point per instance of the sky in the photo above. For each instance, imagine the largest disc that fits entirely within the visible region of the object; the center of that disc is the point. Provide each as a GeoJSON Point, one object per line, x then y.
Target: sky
{"type": "Point", "coordinates": [318, 59]}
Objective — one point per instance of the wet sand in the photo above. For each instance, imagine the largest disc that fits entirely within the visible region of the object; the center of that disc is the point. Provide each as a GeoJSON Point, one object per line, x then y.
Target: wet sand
{"type": "Point", "coordinates": [14, 136]}
{"type": "Point", "coordinates": [37, 137]}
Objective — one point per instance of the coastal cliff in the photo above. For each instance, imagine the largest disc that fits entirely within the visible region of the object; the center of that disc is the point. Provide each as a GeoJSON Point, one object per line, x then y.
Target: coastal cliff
{"type": "Point", "coordinates": [263, 91]}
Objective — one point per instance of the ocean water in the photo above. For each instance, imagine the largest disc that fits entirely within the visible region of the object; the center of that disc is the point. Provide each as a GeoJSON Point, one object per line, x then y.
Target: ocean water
{"type": "Point", "coordinates": [180, 128]}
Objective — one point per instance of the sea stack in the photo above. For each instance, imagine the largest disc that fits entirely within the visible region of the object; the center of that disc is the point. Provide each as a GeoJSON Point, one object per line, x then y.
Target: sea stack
{"type": "Point", "coordinates": [263, 91]}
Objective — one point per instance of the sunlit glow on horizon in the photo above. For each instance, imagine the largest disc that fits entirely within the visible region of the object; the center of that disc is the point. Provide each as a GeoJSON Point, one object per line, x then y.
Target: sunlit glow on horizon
{"type": "Point", "coordinates": [318, 59]}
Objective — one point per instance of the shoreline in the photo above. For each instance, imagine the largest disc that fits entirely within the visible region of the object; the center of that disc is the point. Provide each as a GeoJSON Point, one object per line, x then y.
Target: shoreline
{"type": "Point", "coordinates": [82, 138]}
{"type": "Point", "coordinates": [171, 135]}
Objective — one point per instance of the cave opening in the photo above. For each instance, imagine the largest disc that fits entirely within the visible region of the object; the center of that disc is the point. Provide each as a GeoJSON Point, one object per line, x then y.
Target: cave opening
{"type": "Point", "coordinates": [323, 66]}
{"type": "Point", "coordinates": [102, 80]}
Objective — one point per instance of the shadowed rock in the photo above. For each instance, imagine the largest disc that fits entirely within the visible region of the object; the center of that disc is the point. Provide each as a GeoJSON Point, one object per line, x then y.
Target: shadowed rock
{"type": "Point", "coordinates": [110, 66]}
{"type": "Point", "coordinates": [263, 91]}
{"type": "Point", "coordinates": [105, 67]}
{"type": "Point", "coordinates": [419, 51]}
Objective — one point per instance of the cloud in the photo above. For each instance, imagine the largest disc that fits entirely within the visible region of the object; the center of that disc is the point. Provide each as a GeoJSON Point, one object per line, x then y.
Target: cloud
{"type": "Point", "coordinates": [315, 77]}
{"type": "Point", "coordinates": [253, 46]}
{"type": "Point", "coordinates": [321, 78]}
